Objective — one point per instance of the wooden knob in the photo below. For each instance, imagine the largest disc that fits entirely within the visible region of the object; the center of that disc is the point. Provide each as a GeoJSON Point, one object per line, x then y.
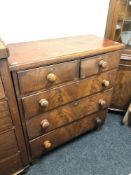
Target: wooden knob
{"type": "Point", "coordinates": [51, 77]}
{"type": "Point", "coordinates": [103, 64]}
{"type": "Point", "coordinates": [98, 122]}
{"type": "Point", "coordinates": [106, 83]}
{"type": "Point", "coordinates": [44, 123]}
{"type": "Point", "coordinates": [44, 103]}
{"type": "Point", "coordinates": [102, 103]}
{"type": "Point", "coordinates": [47, 144]}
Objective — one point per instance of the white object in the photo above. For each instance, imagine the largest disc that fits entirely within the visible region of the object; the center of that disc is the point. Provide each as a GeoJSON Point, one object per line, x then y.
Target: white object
{"type": "Point", "coordinates": [126, 37]}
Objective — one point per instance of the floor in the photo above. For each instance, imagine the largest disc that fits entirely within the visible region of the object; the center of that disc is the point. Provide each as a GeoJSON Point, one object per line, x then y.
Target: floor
{"type": "Point", "coordinates": [104, 152]}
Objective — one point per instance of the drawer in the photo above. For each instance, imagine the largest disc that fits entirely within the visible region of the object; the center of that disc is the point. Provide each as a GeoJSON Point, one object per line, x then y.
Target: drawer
{"type": "Point", "coordinates": [61, 135]}
{"type": "Point", "coordinates": [11, 165]}
{"type": "Point", "coordinates": [8, 144]}
{"type": "Point", "coordinates": [46, 100]}
{"type": "Point", "coordinates": [2, 93]}
{"type": "Point", "coordinates": [48, 76]}
{"type": "Point", "coordinates": [5, 117]}
{"type": "Point", "coordinates": [67, 114]}
{"type": "Point", "coordinates": [99, 63]}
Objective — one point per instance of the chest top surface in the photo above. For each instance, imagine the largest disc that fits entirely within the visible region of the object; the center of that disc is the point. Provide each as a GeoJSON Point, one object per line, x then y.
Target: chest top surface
{"type": "Point", "coordinates": [36, 53]}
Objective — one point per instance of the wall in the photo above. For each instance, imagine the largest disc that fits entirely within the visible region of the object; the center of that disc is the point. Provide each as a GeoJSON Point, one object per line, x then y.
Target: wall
{"type": "Point", "coordinates": [25, 20]}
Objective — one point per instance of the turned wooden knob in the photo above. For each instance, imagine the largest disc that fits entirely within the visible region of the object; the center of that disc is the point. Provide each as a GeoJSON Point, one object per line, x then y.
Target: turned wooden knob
{"type": "Point", "coordinates": [51, 77]}
{"type": "Point", "coordinates": [98, 122]}
{"type": "Point", "coordinates": [44, 123]}
{"type": "Point", "coordinates": [102, 103]}
{"type": "Point", "coordinates": [47, 144]}
{"type": "Point", "coordinates": [106, 83]}
{"type": "Point", "coordinates": [103, 64]}
{"type": "Point", "coordinates": [44, 103]}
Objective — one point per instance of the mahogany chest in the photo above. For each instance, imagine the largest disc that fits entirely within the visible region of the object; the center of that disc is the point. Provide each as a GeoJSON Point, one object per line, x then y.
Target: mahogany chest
{"type": "Point", "coordinates": [63, 87]}
{"type": "Point", "coordinates": [52, 91]}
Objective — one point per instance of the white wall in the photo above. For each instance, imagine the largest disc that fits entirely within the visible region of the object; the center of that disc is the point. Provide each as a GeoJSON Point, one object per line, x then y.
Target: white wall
{"type": "Point", "coordinates": [25, 20]}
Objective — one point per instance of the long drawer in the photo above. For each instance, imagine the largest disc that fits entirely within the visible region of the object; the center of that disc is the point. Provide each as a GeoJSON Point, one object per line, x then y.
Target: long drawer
{"type": "Point", "coordinates": [47, 76]}
{"type": "Point", "coordinates": [99, 63]}
{"type": "Point", "coordinates": [34, 104]}
{"type": "Point", "coordinates": [5, 116]}
{"type": "Point", "coordinates": [67, 113]}
{"type": "Point", "coordinates": [8, 144]}
{"type": "Point", "coordinates": [61, 135]}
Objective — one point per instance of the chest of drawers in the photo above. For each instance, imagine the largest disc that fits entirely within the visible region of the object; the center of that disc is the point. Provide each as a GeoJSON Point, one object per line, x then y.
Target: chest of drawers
{"type": "Point", "coordinates": [13, 154]}
{"type": "Point", "coordinates": [63, 87]}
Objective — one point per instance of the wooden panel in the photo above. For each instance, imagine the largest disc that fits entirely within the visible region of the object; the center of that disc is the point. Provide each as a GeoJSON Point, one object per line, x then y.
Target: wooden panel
{"type": "Point", "coordinates": [2, 93]}
{"type": "Point", "coordinates": [5, 117]}
{"type": "Point", "coordinates": [36, 79]}
{"type": "Point", "coordinates": [91, 66]}
{"type": "Point", "coordinates": [122, 90]}
{"type": "Point", "coordinates": [64, 134]}
{"type": "Point", "coordinates": [8, 144]}
{"type": "Point", "coordinates": [113, 14]}
{"type": "Point", "coordinates": [13, 108]}
{"type": "Point", "coordinates": [4, 52]}
{"type": "Point", "coordinates": [68, 113]}
{"type": "Point", "coordinates": [36, 53]}
{"type": "Point", "coordinates": [67, 93]}
{"type": "Point", "coordinates": [11, 165]}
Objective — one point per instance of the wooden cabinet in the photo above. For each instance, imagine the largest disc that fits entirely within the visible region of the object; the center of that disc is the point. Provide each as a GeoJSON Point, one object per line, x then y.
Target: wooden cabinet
{"type": "Point", "coordinates": [13, 154]}
{"type": "Point", "coordinates": [118, 28]}
{"type": "Point", "coordinates": [63, 87]}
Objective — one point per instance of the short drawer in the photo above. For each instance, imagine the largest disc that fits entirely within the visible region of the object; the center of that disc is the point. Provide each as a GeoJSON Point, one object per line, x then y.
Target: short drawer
{"type": "Point", "coordinates": [68, 113]}
{"type": "Point", "coordinates": [5, 117]}
{"type": "Point", "coordinates": [46, 77]}
{"type": "Point", "coordinates": [46, 100]}
{"type": "Point", "coordinates": [61, 135]}
{"type": "Point", "coordinates": [8, 144]}
{"type": "Point", "coordinates": [11, 165]}
{"type": "Point", "coordinates": [100, 63]}
{"type": "Point", "coordinates": [2, 93]}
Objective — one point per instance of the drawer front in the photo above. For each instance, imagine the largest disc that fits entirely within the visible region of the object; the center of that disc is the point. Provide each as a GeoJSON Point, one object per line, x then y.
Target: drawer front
{"type": "Point", "coordinates": [100, 63]}
{"type": "Point", "coordinates": [11, 165]}
{"type": "Point", "coordinates": [45, 77]}
{"type": "Point", "coordinates": [61, 135]}
{"type": "Point", "coordinates": [66, 114]}
{"type": "Point", "coordinates": [64, 94]}
{"type": "Point", "coordinates": [5, 117]}
{"type": "Point", "coordinates": [2, 93]}
{"type": "Point", "coordinates": [8, 144]}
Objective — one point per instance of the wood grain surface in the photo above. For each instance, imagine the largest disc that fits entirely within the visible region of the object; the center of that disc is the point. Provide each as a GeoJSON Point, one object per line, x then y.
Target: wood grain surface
{"type": "Point", "coordinates": [8, 144]}
{"type": "Point", "coordinates": [90, 66]}
{"type": "Point", "coordinates": [11, 165]}
{"type": "Point", "coordinates": [63, 94]}
{"type": "Point", "coordinates": [122, 90]}
{"type": "Point", "coordinates": [36, 79]}
{"type": "Point", "coordinates": [64, 134]}
{"type": "Point", "coordinates": [67, 113]}
{"type": "Point", "coordinates": [5, 116]}
{"type": "Point", "coordinates": [36, 53]}
{"type": "Point", "coordinates": [4, 52]}
{"type": "Point", "coordinates": [2, 93]}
